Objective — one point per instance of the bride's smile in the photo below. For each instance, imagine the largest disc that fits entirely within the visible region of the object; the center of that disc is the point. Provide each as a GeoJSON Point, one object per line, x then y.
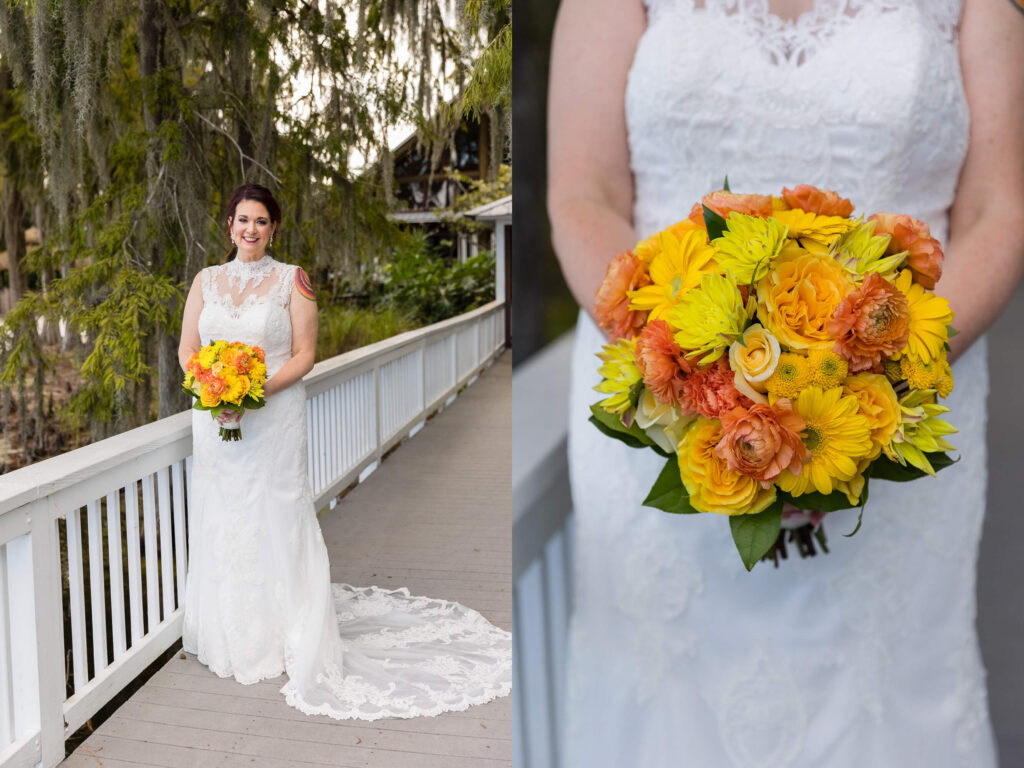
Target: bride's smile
{"type": "Point", "coordinates": [251, 230]}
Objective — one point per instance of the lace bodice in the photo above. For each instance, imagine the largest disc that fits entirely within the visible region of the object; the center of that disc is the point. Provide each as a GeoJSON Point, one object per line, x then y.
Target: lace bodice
{"type": "Point", "coordinates": [860, 96]}
{"type": "Point", "coordinates": [249, 302]}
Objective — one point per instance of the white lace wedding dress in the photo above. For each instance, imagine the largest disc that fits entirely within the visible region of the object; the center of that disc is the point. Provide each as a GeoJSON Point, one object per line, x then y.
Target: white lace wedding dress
{"type": "Point", "coordinates": [863, 658]}
{"type": "Point", "coordinates": [259, 600]}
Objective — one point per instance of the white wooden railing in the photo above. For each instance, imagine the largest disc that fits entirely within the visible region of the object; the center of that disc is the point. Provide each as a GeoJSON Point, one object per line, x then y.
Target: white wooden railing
{"type": "Point", "coordinates": [541, 552]}
{"type": "Point", "coordinates": [128, 496]}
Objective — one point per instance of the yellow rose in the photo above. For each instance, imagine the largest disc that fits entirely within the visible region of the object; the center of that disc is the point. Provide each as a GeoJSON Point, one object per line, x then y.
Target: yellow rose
{"type": "Point", "coordinates": [796, 301]}
{"type": "Point", "coordinates": [878, 402]}
{"type": "Point", "coordinates": [208, 398]}
{"type": "Point", "coordinates": [753, 358]}
{"type": "Point", "coordinates": [712, 485]}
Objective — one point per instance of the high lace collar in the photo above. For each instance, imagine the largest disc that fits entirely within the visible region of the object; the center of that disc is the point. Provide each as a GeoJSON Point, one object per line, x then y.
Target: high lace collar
{"type": "Point", "coordinates": [246, 270]}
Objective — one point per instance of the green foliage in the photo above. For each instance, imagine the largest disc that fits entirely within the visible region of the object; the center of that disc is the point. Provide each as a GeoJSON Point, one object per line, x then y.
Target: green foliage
{"type": "Point", "coordinates": [755, 535]}
{"type": "Point", "coordinates": [426, 287]}
{"type": "Point", "coordinates": [343, 328]}
{"type": "Point", "coordinates": [138, 119]}
{"type": "Point", "coordinates": [668, 492]}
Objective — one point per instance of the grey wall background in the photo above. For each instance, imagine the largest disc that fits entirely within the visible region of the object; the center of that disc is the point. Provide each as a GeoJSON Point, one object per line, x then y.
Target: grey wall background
{"type": "Point", "coordinates": [1000, 597]}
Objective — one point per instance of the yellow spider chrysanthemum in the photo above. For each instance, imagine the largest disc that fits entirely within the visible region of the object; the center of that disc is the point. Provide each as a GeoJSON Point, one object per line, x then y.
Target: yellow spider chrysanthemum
{"type": "Point", "coordinates": [929, 317]}
{"type": "Point", "coordinates": [812, 227]}
{"type": "Point", "coordinates": [838, 436]}
{"type": "Point", "coordinates": [860, 251]}
{"type": "Point", "coordinates": [710, 319]}
{"type": "Point", "coordinates": [935, 375]}
{"type": "Point", "coordinates": [827, 368]}
{"type": "Point", "coordinates": [749, 246]}
{"type": "Point", "coordinates": [620, 375]}
{"type": "Point", "coordinates": [920, 431]}
{"type": "Point", "coordinates": [792, 374]}
{"type": "Point", "coordinates": [676, 269]}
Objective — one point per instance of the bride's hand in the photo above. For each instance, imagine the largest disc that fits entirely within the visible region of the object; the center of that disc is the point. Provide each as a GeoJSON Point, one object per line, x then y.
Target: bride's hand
{"type": "Point", "coordinates": [229, 416]}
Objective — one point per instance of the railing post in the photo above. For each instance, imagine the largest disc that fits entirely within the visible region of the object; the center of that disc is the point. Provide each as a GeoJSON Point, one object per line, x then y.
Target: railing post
{"type": "Point", "coordinates": [49, 627]}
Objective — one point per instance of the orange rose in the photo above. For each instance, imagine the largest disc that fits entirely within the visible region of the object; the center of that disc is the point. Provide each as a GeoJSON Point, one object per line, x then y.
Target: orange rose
{"type": "Point", "coordinates": [924, 254]}
{"type": "Point", "coordinates": [723, 203]}
{"type": "Point", "coordinates": [611, 302]}
{"type": "Point", "coordinates": [824, 202]}
{"type": "Point", "coordinates": [762, 441]}
{"type": "Point", "coordinates": [871, 323]}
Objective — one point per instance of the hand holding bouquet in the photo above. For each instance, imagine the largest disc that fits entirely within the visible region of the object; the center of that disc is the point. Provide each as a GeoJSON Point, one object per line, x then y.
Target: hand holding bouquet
{"type": "Point", "coordinates": [227, 377]}
{"type": "Point", "coordinates": [780, 354]}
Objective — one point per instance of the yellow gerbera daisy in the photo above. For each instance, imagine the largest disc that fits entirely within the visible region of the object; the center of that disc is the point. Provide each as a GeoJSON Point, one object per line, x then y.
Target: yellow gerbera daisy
{"type": "Point", "coordinates": [675, 269]}
{"type": "Point", "coordinates": [929, 317]}
{"type": "Point", "coordinates": [748, 246]}
{"type": "Point", "coordinates": [709, 320]}
{"type": "Point", "coordinates": [838, 436]}
{"type": "Point", "coordinates": [620, 375]}
{"type": "Point", "coordinates": [807, 226]}
{"type": "Point", "coordinates": [650, 247]}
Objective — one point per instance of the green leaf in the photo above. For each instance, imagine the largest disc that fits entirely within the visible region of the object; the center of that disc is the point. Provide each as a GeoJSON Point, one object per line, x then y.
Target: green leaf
{"type": "Point", "coordinates": [886, 469]}
{"type": "Point", "coordinates": [725, 184]}
{"type": "Point", "coordinates": [714, 223]}
{"type": "Point", "coordinates": [668, 492]}
{"type": "Point", "coordinates": [612, 425]}
{"type": "Point", "coordinates": [820, 501]}
{"type": "Point", "coordinates": [952, 331]}
{"type": "Point", "coordinates": [754, 535]}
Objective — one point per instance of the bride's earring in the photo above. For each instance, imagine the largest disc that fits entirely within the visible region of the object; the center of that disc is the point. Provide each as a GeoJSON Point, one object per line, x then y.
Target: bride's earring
{"type": "Point", "coordinates": [233, 239]}
{"type": "Point", "coordinates": [271, 240]}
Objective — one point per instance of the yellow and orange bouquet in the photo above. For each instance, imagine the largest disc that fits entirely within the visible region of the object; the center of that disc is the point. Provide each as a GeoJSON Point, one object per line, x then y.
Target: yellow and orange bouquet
{"type": "Point", "coordinates": [780, 354]}
{"type": "Point", "coordinates": [227, 376]}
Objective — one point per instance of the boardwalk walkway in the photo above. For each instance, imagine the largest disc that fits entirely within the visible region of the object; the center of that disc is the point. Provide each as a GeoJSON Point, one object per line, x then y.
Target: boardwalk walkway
{"type": "Point", "coordinates": [436, 517]}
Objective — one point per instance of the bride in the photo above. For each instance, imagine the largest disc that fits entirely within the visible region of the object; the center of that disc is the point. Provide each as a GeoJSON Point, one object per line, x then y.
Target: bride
{"type": "Point", "coordinates": [866, 656]}
{"type": "Point", "coordinates": [258, 599]}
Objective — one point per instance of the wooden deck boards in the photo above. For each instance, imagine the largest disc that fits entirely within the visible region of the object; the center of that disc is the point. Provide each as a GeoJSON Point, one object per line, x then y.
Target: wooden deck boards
{"type": "Point", "coordinates": [435, 518]}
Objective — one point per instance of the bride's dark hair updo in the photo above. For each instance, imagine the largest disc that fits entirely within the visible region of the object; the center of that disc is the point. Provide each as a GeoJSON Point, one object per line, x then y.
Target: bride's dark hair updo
{"type": "Point", "coordinates": [257, 193]}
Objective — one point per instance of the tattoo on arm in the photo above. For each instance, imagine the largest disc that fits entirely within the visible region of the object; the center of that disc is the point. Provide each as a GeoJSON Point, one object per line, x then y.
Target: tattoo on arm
{"type": "Point", "coordinates": [303, 284]}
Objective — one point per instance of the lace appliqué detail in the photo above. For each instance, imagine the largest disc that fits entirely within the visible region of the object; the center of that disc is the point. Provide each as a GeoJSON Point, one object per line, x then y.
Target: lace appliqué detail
{"type": "Point", "coordinates": [237, 286]}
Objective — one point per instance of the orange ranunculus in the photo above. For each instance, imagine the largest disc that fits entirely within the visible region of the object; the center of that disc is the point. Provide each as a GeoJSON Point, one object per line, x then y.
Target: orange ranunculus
{"type": "Point", "coordinates": [258, 352]}
{"type": "Point", "coordinates": [723, 203]}
{"type": "Point", "coordinates": [712, 484]}
{"type": "Point", "coordinates": [212, 391]}
{"type": "Point", "coordinates": [611, 302]}
{"type": "Point", "coordinates": [924, 254]}
{"type": "Point", "coordinates": [242, 362]}
{"type": "Point", "coordinates": [796, 300]}
{"type": "Point", "coordinates": [662, 363]}
{"type": "Point", "coordinates": [711, 391]}
{"type": "Point", "coordinates": [824, 202]}
{"type": "Point", "coordinates": [762, 441]}
{"type": "Point", "coordinates": [871, 323]}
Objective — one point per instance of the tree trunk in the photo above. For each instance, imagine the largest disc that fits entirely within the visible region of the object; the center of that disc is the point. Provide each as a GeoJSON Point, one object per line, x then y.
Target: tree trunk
{"type": "Point", "coordinates": [14, 234]}
{"type": "Point", "coordinates": [171, 397]}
